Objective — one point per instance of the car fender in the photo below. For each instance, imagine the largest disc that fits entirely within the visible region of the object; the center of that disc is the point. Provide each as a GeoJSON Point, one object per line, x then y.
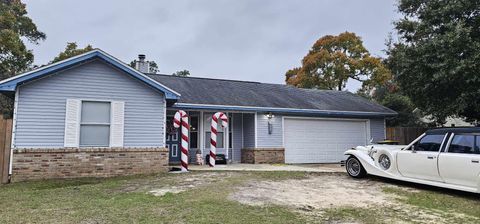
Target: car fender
{"type": "Point", "coordinates": [369, 163]}
{"type": "Point", "coordinates": [393, 169]}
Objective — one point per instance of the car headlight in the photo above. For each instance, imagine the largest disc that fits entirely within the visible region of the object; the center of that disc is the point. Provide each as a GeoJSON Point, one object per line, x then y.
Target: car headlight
{"type": "Point", "coordinates": [384, 161]}
{"type": "Point", "coordinates": [371, 151]}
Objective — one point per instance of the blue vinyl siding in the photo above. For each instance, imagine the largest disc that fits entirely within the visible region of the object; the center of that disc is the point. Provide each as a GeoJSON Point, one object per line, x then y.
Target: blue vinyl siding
{"type": "Point", "coordinates": [274, 139]}
{"type": "Point", "coordinates": [41, 105]}
{"type": "Point", "coordinates": [377, 129]}
{"type": "Point", "coordinates": [237, 137]}
{"type": "Point", "coordinates": [248, 130]}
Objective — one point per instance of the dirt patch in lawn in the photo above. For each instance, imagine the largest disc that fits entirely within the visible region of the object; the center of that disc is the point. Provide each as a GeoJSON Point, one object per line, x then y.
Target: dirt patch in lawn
{"type": "Point", "coordinates": [175, 182]}
{"type": "Point", "coordinates": [315, 192]}
{"type": "Point", "coordinates": [338, 198]}
{"type": "Point", "coordinates": [189, 182]}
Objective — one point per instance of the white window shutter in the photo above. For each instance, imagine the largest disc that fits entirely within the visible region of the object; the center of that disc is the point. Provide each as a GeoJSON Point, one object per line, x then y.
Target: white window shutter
{"type": "Point", "coordinates": [72, 123]}
{"type": "Point", "coordinates": [116, 124]}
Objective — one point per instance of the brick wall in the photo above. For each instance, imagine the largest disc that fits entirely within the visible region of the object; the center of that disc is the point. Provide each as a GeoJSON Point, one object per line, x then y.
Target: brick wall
{"type": "Point", "coordinates": [263, 155]}
{"type": "Point", "coordinates": [31, 164]}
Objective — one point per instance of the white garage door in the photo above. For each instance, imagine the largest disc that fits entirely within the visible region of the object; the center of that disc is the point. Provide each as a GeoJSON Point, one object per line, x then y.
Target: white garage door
{"type": "Point", "coordinates": [321, 141]}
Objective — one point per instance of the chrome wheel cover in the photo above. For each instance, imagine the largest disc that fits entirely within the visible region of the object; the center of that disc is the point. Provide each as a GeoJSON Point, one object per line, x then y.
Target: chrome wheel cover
{"type": "Point", "coordinates": [384, 161]}
{"type": "Point", "coordinates": [353, 167]}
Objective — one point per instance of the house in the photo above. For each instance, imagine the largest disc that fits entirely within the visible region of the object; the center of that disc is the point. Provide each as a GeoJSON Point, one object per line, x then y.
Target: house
{"type": "Point", "coordinates": [93, 115]}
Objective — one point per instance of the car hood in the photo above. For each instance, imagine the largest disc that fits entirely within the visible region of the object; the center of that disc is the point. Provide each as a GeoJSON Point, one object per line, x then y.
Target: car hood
{"type": "Point", "coordinates": [389, 147]}
{"type": "Point", "coordinates": [376, 146]}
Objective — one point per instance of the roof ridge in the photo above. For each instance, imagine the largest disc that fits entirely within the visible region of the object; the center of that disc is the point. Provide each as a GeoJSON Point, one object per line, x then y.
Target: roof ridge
{"type": "Point", "coordinates": [205, 78]}
{"type": "Point", "coordinates": [256, 82]}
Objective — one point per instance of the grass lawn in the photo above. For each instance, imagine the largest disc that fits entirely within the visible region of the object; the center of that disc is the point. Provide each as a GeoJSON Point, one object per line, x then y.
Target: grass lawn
{"type": "Point", "coordinates": [105, 201]}
{"type": "Point", "coordinates": [126, 200]}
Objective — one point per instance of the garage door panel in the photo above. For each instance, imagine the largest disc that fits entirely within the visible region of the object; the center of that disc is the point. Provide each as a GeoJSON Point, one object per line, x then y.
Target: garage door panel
{"type": "Point", "coordinates": [321, 141]}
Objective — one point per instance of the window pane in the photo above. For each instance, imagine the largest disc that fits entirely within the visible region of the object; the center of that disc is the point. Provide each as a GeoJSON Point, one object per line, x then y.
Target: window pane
{"type": "Point", "coordinates": [462, 144]}
{"type": "Point", "coordinates": [219, 140]}
{"type": "Point", "coordinates": [230, 140]}
{"type": "Point", "coordinates": [193, 140]}
{"type": "Point", "coordinates": [208, 123]}
{"type": "Point", "coordinates": [194, 124]}
{"type": "Point", "coordinates": [429, 143]}
{"type": "Point", "coordinates": [95, 112]}
{"type": "Point", "coordinates": [94, 135]}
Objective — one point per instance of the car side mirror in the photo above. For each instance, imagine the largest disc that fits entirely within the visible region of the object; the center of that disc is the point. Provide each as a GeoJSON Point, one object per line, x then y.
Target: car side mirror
{"type": "Point", "coordinates": [413, 149]}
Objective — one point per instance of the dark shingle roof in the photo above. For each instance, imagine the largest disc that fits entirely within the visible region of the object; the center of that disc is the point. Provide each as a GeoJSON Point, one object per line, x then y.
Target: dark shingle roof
{"type": "Point", "coordinates": [195, 90]}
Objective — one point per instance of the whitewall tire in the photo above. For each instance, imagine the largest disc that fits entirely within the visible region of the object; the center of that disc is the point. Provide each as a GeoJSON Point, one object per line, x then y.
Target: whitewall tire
{"type": "Point", "coordinates": [355, 168]}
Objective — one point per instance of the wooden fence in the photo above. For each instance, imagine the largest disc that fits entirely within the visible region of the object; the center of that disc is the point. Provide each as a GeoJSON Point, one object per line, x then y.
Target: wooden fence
{"type": "Point", "coordinates": [404, 135]}
{"type": "Point", "coordinates": [5, 142]}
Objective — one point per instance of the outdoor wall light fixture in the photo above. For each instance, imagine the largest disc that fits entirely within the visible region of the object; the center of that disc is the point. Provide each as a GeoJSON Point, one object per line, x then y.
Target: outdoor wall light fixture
{"type": "Point", "coordinates": [269, 116]}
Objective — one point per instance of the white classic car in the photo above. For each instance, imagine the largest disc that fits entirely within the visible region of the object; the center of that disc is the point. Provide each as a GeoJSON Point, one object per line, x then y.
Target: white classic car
{"type": "Point", "coordinates": [446, 157]}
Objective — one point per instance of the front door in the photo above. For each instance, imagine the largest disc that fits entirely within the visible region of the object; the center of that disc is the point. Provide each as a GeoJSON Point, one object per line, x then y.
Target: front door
{"type": "Point", "coordinates": [420, 160]}
{"type": "Point", "coordinates": [460, 164]}
{"type": "Point", "coordinates": [172, 141]}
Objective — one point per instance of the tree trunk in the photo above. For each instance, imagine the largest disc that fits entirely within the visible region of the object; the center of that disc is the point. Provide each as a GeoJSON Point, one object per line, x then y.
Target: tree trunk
{"type": "Point", "coordinates": [340, 84]}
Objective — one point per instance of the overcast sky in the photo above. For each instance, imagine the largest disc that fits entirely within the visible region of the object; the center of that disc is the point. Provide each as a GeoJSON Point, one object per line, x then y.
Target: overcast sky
{"type": "Point", "coordinates": [256, 40]}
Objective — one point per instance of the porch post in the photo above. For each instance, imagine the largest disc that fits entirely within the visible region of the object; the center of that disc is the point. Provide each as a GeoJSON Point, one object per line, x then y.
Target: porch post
{"type": "Point", "coordinates": [201, 133]}
{"type": "Point", "coordinates": [227, 137]}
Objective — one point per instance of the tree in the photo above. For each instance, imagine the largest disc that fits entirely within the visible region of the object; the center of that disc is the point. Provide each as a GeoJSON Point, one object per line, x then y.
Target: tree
{"type": "Point", "coordinates": [405, 109]}
{"type": "Point", "coordinates": [389, 95]}
{"type": "Point", "coordinates": [71, 50]}
{"type": "Point", "coordinates": [15, 58]}
{"type": "Point", "coordinates": [437, 57]}
{"type": "Point", "coordinates": [407, 112]}
{"type": "Point", "coordinates": [333, 60]}
{"type": "Point", "coordinates": [153, 67]}
{"type": "Point", "coordinates": [183, 73]}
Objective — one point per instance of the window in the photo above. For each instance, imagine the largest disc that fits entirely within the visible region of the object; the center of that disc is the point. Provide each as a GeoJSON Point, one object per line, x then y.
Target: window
{"type": "Point", "coordinates": [464, 144]}
{"type": "Point", "coordinates": [194, 132]}
{"type": "Point", "coordinates": [477, 144]}
{"type": "Point", "coordinates": [95, 124]}
{"type": "Point", "coordinates": [220, 132]}
{"type": "Point", "coordinates": [219, 140]}
{"type": "Point", "coordinates": [429, 143]}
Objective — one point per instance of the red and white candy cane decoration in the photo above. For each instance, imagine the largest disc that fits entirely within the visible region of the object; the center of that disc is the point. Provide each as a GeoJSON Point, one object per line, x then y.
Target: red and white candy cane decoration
{"type": "Point", "coordinates": [181, 119]}
{"type": "Point", "coordinates": [213, 135]}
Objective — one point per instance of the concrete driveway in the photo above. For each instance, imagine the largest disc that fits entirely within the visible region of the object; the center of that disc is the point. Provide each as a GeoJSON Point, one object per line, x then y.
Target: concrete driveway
{"type": "Point", "coordinates": [317, 168]}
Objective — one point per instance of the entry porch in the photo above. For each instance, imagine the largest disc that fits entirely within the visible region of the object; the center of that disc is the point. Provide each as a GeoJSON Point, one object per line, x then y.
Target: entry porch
{"type": "Point", "coordinates": [240, 134]}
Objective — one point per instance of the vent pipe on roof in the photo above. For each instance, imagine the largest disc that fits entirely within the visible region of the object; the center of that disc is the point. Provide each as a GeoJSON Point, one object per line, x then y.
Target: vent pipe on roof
{"type": "Point", "coordinates": [142, 65]}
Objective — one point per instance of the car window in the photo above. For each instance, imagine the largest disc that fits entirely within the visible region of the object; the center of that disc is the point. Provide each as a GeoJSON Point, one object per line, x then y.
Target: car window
{"type": "Point", "coordinates": [463, 144]}
{"type": "Point", "coordinates": [477, 144]}
{"type": "Point", "coordinates": [430, 143]}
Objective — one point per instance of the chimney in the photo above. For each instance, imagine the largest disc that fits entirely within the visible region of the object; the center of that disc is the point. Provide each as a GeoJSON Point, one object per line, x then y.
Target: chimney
{"type": "Point", "coordinates": [142, 65]}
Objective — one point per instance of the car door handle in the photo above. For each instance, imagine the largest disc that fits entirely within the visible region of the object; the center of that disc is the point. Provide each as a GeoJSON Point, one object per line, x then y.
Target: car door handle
{"type": "Point", "coordinates": [475, 161]}
{"type": "Point", "coordinates": [431, 157]}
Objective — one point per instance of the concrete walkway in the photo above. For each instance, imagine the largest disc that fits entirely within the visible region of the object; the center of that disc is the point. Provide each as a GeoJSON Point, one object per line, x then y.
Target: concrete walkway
{"type": "Point", "coordinates": [319, 168]}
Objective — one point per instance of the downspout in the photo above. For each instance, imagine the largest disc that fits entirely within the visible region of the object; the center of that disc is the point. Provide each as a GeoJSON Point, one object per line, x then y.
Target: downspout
{"type": "Point", "coordinates": [14, 127]}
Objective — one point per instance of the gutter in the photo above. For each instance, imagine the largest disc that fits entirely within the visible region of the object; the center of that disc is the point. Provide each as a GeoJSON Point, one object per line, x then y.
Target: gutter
{"type": "Point", "coordinates": [332, 113]}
